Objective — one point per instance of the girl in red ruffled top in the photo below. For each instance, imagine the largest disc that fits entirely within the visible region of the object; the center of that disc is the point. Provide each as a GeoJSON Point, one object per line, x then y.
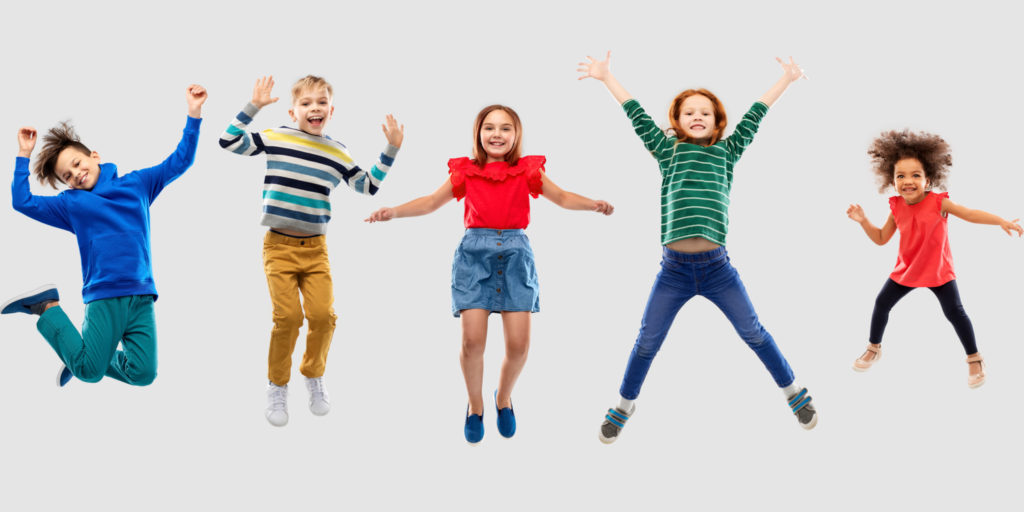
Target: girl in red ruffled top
{"type": "Point", "coordinates": [493, 269]}
{"type": "Point", "coordinates": [913, 163]}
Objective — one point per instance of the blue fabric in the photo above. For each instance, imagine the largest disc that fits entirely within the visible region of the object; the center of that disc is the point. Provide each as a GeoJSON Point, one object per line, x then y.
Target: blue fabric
{"type": "Point", "coordinates": [682, 277]}
{"type": "Point", "coordinates": [474, 429]}
{"type": "Point", "coordinates": [111, 221]}
{"type": "Point", "coordinates": [493, 269]}
{"type": "Point", "coordinates": [506, 418]}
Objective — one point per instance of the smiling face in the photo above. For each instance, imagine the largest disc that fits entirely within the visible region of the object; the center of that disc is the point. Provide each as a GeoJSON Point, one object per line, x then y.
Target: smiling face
{"type": "Point", "coordinates": [77, 169]}
{"type": "Point", "coordinates": [497, 135]}
{"type": "Point", "coordinates": [910, 180]}
{"type": "Point", "coordinates": [697, 118]}
{"type": "Point", "coordinates": [311, 109]}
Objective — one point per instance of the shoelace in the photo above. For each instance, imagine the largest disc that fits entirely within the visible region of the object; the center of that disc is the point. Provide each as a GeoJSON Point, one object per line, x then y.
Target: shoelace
{"type": "Point", "coordinates": [316, 389]}
{"type": "Point", "coordinates": [279, 396]}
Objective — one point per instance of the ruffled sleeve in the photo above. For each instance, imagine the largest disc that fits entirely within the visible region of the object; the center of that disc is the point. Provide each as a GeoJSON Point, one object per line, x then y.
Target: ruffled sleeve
{"type": "Point", "coordinates": [892, 203]}
{"type": "Point", "coordinates": [534, 166]}
{"type": "Point", "coordinates": [457, 175]}
{"type": "Point", "coordinates": [939, 196]}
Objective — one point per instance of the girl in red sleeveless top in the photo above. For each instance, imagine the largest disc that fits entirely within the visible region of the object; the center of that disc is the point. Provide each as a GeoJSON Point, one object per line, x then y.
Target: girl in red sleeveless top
{"type": "Point", "coordinates": [493, 269]}
{"type": "Point", "coordinates": [913, 163]}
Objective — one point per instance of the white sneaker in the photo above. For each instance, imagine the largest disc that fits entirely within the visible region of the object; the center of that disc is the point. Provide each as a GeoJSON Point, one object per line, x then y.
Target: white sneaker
{"type": "Point", "coordinates": [277, 404]}
{"type": "Point", "coordinates": [319, 404]}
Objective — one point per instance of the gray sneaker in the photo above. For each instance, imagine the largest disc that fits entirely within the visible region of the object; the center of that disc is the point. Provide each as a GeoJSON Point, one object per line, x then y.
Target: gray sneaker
{"type": "Point", "coordinates": [801, 405]}
{"type": "Point", "coordinates": [614, 422]}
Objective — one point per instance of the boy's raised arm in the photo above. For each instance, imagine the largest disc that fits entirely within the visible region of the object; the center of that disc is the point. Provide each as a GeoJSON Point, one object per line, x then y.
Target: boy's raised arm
{"type": "Point", "coordinates": [46, 209]}
{"type": "Point", "coordinates": [236, 137]}
{"type": "Point", "coordinates": [155, 178]}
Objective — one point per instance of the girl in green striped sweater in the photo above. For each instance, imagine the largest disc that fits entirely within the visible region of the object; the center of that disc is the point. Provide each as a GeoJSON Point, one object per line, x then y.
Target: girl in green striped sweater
{"type": "Point", "coordinates": [696, 165]}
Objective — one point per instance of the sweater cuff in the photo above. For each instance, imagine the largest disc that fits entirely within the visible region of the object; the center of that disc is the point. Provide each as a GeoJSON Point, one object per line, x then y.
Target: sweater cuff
{"type": "Point", "coordinates": [391, 151]}
{"type": "Point", "coordinates": [250, 109]}
{"type": "Point", "coordinates": [192, 124]}
{"type": "Point", "coordinates": [20, 162]}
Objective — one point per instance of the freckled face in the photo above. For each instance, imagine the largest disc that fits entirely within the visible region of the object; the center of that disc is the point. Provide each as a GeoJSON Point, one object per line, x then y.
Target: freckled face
{"type": "Point", "coordinates": [76, 169]}
{"type": "Point", "coordinates": [697, 117]}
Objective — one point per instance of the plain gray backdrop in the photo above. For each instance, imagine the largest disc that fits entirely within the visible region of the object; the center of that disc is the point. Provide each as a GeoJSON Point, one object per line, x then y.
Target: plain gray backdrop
{"type": "Point", "coordinates": [712, 431]}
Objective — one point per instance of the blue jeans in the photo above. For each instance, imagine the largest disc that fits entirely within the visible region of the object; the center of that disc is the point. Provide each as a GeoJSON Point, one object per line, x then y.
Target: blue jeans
{"type": "Point", "coordinates": [682, 277]}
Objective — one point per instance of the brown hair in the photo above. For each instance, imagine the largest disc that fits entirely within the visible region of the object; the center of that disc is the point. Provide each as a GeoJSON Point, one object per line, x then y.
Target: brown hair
{"type": "Point", "coordinates": [311, 82]}
{"type": "Point", "coordinates": [57, 139]}
{"type": "Point", "coordinates": [512, 157]}
{"type": "Point", "coordinates": [892, 146]}
{"type": "Point", "coordinates": [677, 107]}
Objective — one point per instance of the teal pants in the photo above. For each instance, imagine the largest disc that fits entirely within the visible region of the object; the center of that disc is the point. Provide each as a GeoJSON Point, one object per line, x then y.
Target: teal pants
{"type": "Point", "coordinates": [93, 354]}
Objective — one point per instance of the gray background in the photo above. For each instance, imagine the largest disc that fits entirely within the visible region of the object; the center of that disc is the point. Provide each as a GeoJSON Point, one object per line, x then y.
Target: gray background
{"type": "Point", "coordinates": [712, 430]}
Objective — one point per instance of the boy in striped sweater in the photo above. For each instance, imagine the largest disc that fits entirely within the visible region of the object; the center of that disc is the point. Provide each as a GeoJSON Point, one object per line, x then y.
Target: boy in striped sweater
{"type": "Point", "coordinates": [303, 167]}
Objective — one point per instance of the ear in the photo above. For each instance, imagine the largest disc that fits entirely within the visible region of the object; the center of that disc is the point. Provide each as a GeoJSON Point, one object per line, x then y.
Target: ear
{"type": "Point", "coordinates": [291, 112]}
{"type": "Point", "coordinates": [330, 113]}
{"type": "Point", "coordinates": [95, 156]}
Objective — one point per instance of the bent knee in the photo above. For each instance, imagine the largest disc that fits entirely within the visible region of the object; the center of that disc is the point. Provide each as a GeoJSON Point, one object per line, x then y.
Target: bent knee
{"type": "Point", "coordinates": [324, 319]}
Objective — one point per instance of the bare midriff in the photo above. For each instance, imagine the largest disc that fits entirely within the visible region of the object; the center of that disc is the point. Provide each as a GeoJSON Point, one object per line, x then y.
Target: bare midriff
{"type": "Point", "coordinates": [693, 245]}
{"type": "Point", "coordinates": [290, 232]}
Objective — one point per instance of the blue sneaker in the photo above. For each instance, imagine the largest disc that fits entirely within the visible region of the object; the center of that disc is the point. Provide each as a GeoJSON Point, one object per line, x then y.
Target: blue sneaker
{"type": "Point", "coordinates": [64, 376]}
{"type": "Point", "coordinates": [23, 303]}
{"type": "Point", "coordinates": [506, 418]}
{"type": "Point", "coordinates": [474, 430]}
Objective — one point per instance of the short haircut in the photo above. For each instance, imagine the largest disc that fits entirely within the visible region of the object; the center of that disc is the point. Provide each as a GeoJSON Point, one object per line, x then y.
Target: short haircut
{"type": "Point", "coordinates": [677, 107]}
{"type": "Point", "coordinates": [57, 139]}
{"type": "Point", "coordinates": [512, 157]}
{"type": "Point", "coordinates": [892, 146]}
{"type": "Point", "coordinates": [311, 82]}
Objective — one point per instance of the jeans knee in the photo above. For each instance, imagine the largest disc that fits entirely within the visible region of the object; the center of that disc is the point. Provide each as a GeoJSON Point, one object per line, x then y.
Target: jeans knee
{"type": "Point", "coordinates": [288, 320]}
{"type": "Point", "coordinates": [321, 319]}
{"type": "Point", "coordinates": [143, 377]}
{"type": "Point", "coordinates": [755, 336]}
{"type": "Point", "coordinates": [89, 375]}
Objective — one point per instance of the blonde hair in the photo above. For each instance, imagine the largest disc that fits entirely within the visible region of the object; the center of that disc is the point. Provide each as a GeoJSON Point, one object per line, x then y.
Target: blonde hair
{"type": "Point", "coordinates": [311, 82]}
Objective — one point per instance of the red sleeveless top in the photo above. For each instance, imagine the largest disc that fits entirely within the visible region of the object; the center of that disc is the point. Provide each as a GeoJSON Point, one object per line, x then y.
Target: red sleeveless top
{"type": "Point", "coordinates": [924, 258]}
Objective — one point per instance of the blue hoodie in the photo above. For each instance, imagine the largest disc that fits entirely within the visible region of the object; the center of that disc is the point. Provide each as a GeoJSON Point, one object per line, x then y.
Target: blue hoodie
{"type": "Point", "coordinates": [111, 221]}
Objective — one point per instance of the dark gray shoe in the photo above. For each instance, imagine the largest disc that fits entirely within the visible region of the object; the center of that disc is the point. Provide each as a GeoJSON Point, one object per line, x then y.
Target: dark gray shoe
{"type": "Point", "coordinates": [801, 405]}
{"type": "Point", "coordinates": [613, 423]}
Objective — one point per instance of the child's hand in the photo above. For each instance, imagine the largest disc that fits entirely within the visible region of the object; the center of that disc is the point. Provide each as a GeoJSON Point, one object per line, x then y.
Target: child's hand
{"type": "Point", "coordinates": [599, 69]}
{"type": "Point", "coordinates": [1012, 225]}
{"type": "Point", "coordinates": [603, 207]}
{"type": "Point", "coordinates": [856, 213]}
{"type": "Point", "coordinates": [791, 70]}
{"type": "Point", "coordinates": [393, 132]}
{"type": "Point", "coordinates": [196, 96]}
{"type": "Point", "coordinates": [384, 214]}
{"type": "Point", "coordinates": [261, 92]}
{"type": "Point", "coordinates": [26, 141]}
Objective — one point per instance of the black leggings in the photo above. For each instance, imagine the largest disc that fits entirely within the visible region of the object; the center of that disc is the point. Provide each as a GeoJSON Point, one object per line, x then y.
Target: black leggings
{"type": "Point", "coordinates": [949, 299]}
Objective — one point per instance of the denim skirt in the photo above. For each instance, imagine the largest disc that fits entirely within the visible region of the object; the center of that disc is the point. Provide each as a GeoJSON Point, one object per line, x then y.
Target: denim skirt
{"type": "Point", "coordinates": [493, 269]}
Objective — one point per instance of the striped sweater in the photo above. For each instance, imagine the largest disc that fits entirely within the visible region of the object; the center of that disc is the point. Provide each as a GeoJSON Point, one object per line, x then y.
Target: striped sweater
{"type": "Point", "coordinates": [302, 170]}
{"type": "Point", "coordinates": [695, 180]}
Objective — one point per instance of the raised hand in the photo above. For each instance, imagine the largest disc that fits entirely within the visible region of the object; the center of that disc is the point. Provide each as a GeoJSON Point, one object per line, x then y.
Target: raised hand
{"type": "Point", "coordinates": [394, 132]}
{"type": "Point", "coordinates": [599, 69]}
{"type": "Point", "coordinates": [1012, 225]}
{"type": "Point", "coordinates": [261, 92]}
{"type": "Point", "coordinates": [856, 213]}
{"type": "Point", "coordinates": [196, 96]}
{"type": "Point", "coordinates": [26, 141]}
{"type": "Point", "coordinates": [384, 214]}
{"type": "Point", "coordinates": [603, 207]}
{"type": "Point", "coordinates": [791, 70]}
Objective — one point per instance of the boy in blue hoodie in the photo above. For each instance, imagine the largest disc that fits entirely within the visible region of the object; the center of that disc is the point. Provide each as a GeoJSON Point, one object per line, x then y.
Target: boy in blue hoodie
{"type": "Point", "coordinates": [109, 214]}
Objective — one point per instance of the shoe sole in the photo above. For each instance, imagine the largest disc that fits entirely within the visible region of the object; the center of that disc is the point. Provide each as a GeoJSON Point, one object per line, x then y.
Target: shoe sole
{"type": "Point", "coordinates": [276, 425]}
{"type": "Point", "coordinates": [976, 386]}
{"type": "Point", "coordinates": [25, 295]}
{"type": "Point", "coordinates": [812, 423]}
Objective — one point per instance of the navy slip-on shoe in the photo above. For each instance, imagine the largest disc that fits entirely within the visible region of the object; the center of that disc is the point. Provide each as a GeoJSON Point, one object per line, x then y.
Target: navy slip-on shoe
{"type": "Point", "coordinates": [23, 303]}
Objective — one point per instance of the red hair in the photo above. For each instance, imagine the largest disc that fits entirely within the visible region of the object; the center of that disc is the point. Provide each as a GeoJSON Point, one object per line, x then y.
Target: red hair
{"type": "Point", "coordinates": [677, 107]}
{"type": "Point", "coordinates": [479, 155]}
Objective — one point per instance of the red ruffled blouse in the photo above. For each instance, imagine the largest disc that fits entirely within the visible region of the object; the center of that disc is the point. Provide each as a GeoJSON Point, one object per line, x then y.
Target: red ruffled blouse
{"type": "Point", "coordinates": [497, 195]}
{"type": "Point", "coordinates": [925, 258]}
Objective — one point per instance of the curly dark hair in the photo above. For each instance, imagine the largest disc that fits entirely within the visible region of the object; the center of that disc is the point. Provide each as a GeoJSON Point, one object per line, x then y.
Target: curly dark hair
{"type": "Point", "coordinates": [57, 139]}
{"type": "Point", "coordinates": [892, 146]}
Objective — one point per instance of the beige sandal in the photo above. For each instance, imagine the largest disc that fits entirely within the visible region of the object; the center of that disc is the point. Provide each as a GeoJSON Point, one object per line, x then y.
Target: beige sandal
{"type": "Point", "coordinates": [863, 363]}
{"type": "Point", "coordinates": [976, 380]}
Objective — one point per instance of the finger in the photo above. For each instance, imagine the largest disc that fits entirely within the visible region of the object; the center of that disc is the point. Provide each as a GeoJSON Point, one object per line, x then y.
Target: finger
{"type": "Point", "coordinates": [274, 100]}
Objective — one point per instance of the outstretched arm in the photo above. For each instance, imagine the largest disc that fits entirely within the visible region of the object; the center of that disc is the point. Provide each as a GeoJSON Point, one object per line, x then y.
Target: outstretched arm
{"type": "Point", "coordinates": [982, 217]}
{"type": "Point", "coordinates": [236, 138]}
{"type": "Point", "coordinates": [416, 207]}
{"type": "Point", "coordinates": [601, 70]}
{"type": "Point", "coordinates": [791, 72]}
{"type": "Point", "coordinates": [570, 200]}
{"type": "Point", "coordinates": [880, 236]}
{"type": "Point", "coordinates": [154, 179]}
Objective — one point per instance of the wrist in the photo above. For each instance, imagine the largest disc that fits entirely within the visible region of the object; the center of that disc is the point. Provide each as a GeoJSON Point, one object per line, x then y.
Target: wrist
{"type": "Point", "coordinates": [25, 154]}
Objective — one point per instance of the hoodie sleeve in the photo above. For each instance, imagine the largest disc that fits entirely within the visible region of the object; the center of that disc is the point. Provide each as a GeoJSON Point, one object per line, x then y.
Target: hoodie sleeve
{"type": "Point", "coordinates": [154, 179]}
{"type": "Point", "coordinates": [46, 209]}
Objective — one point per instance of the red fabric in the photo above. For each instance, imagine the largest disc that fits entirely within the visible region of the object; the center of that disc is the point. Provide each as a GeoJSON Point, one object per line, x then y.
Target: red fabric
{"type": "Point", "coordinates": [925, 258]}
{"type": "Point", "coordinates": [497, 195]}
